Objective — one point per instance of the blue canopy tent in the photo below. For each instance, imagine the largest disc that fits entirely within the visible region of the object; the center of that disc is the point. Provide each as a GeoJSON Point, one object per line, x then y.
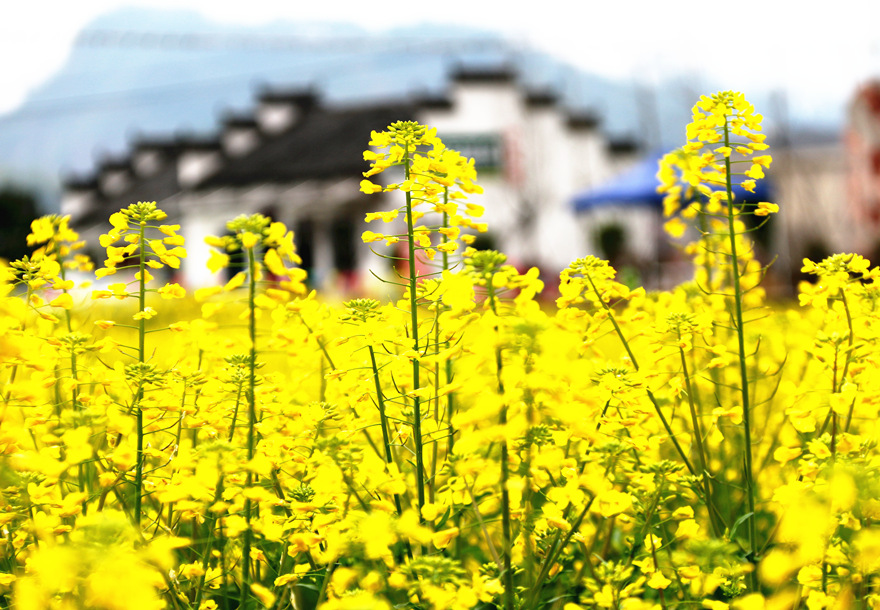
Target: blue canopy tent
{"type": "Point", "coordinates": [638, 187]}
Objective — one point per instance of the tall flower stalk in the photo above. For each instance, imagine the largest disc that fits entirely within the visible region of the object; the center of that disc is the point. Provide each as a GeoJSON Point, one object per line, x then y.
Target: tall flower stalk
{"type": "Point", "coordinates": [409, 142]}
{"type": "Point", "coordinates": [487, 267]}
{"type": "Point", "coordinates": [249, 243]}
{"type": "Point", "coordinates": [266, 246]}
{"type": "Point", "coordinates": [724, 134]}
{"type": "Point", "coordinates": [428, 172]}
{"type": "Point", "coordinates": [136, 225]}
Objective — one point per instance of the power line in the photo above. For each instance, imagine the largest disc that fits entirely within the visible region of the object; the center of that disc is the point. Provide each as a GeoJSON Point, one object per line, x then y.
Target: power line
{"type": "Point", "coordinates": [193, 41]}
{"type": "Point", "coordinates": [171, 41]}
{"type": "Point", "coordinates": [121, 98]}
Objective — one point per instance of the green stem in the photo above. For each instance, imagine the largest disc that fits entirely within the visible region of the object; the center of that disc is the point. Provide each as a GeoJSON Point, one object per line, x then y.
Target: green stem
{"type": "Point", "coordinates": [505, 474]}
{"type": "Point", "coordinates": [698, 438]}
{"type": "Point", "coordinates": [142, 300]}
{"type": "Point", "coordinates": [435, 449]}
{"type": "Point", "coordinates": [450, 398]}
{"type": "Point", "coordinates": [505, 510]}
{"type": "Point", "coordinates": [848, 355]}
{"type": "Point", "coordinates": [635, 363]}
{"type": "Point", "coordinates": [235, 413]}
{"type": "Point", "coordinates": [380, 400]}
{"type": "Point", "coordinates": [322, 593]}
{"type": "Point", "coordinates": [252, 420]}
{"type": "Point", "coordinates": [707, 265]}
{"type": "Point", "coordinates": [210, 525]}
{"type": "Point", "coordinates": [850, 339]}
{"type": "Point", "coordinates": [320, 343]}
{"type": "Point", "coordinates": [553, 553]}
{"type": "Point", "coordinates": [743, 372]}
{"type": "Point", "coordinates": [482, 523]}
{"type": "Point", "coordinates": [74, 374]}
{"type": "Point", "coordinates": [414, 322]}
{"type": "Point", "coordinates": [74, 392]}
{"type": "Point", "coordinates": [646, 528]}
{"type": "Point", "coordinates": [386, 437]}
{"type": "Point", "coordinates": [657, 568]}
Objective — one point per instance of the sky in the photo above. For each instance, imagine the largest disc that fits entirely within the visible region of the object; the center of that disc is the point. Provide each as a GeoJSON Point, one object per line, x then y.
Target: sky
{"type": "Point", "coordinates": [816, 56]}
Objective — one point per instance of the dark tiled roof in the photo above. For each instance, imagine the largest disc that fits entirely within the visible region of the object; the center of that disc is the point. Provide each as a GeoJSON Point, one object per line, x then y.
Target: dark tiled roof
{"type": "Point", "coordinates": [583, 120]}
{"type": "Point", "coordinates": [537, 98]}
{"type": "Point", "coordinates": [325, 143]}
{"type": "Point", "coordinates": [434, 102]}
{"type": "Point", "coordinates": [115, 164]}
{"type": "Point", "coordinates": [231, 119]}
{"type": "Point", "coordinates": [173, 145]}
{"type": "Point", "coordinates": [79, 183]}
{"type": "Point", "coordinates": [158, 187]}
{"type": "Point", "coordinates": [187, 141]}
{"type": "Point", "coordinates": [496, 74]}
{"type": "Point", "coordinates": [305, 99]}
{"type": "Point", "coordinates": [623, 146]}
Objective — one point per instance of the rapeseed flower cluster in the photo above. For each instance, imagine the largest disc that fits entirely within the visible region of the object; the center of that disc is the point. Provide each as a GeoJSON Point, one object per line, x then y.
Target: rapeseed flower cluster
{"type": "Point", "coordinates": [463, 447]}
{"type": "Point", "coordinates": [724, 130]}
{"type": "Point", "coordinates": [699, 181]}
{"type": "Point", "coordinates": [436, 179]}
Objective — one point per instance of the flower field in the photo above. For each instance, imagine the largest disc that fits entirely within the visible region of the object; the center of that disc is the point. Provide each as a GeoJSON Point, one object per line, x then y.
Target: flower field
{"type": "Point", "coordinates": [253, 446]}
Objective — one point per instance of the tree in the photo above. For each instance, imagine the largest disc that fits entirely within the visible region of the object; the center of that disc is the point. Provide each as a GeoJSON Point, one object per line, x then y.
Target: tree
{"type": "Point", "coordinates": [18, 208]}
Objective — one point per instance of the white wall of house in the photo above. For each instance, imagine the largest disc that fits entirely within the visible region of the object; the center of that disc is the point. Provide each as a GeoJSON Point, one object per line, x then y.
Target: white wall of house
{"type": "Point", "coordinates": [193, 166]}
{"type": "Point", "coordinates": [589, 158]}
{"type": "Point", "coordinates": [528, 203]}
{"type": "Point", "coordinates": [203, 216]}
{"type": "Point", "coordinates": [551, 185]}
{"type": "Point", "coordinates": [239, 141]}
{"type": "Point", "coordinates": [76, 202]}
{"type": "Point", "coordinates": [493, 109]}
{"type": "Point", "coordinates": [114, 181]}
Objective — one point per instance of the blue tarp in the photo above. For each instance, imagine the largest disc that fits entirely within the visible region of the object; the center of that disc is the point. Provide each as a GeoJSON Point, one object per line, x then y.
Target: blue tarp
{"type": "Point", "coordinates": [638, 187]}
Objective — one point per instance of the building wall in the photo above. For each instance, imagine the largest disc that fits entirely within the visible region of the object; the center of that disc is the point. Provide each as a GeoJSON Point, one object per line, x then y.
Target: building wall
{"type": "Point", "coordinates": [528, 200]}
{"type": "Point", "coordinates": [591, 164]}
{"type": "Point", "coordinates": [810, 189]}
{"type": "Point", "coordinates": [493, 110]}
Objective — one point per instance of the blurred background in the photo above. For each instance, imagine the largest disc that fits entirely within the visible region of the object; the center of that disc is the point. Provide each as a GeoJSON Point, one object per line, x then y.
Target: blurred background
{"type": "Point", "coordinates": [216, 109]}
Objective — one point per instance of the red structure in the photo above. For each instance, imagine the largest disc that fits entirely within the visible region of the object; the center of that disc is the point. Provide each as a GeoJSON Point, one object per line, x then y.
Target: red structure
{"type": "Point", "coordinates": [863, 150]}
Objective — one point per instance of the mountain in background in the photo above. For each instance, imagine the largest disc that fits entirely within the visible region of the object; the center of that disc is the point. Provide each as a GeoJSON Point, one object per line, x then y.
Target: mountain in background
{"type": "Point", "coordinates": [140, 72]}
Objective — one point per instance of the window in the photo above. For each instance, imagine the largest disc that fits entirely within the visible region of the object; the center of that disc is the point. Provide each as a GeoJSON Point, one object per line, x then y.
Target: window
{"type": "Point", "coordinates": [485, 149]}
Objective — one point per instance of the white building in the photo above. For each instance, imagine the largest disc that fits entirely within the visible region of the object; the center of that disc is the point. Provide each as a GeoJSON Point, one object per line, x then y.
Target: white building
{"type": "Point", "coordinates": [301, 162]}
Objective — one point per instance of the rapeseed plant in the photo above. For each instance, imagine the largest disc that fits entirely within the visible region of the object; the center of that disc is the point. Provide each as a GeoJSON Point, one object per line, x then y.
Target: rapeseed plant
{"type": "Point", "coordinates": [459, 447]}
